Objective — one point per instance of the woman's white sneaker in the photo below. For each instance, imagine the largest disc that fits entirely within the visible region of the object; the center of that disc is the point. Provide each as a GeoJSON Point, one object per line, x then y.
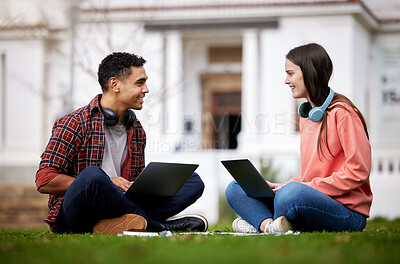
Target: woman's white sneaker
{"type": "Point", "coordinates": [281, 225]}
{"type": "Point", "coordinates": [240, 225]}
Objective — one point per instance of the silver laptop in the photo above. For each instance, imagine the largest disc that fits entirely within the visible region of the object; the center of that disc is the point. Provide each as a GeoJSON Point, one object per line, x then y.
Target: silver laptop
{"type": "Point", "coordinates": [161, 179]}
{"type": "Point", "coordinates": [248, 177]}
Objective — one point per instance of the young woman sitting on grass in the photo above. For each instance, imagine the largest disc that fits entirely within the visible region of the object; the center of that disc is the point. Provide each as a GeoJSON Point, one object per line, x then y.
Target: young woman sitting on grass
{"type": "Point", "coordinates": [333, 191]}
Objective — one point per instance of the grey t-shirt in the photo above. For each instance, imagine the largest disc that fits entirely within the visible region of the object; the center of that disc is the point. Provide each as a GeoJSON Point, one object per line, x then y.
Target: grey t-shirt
{"type": "Point", "coordinates": [114, 150]}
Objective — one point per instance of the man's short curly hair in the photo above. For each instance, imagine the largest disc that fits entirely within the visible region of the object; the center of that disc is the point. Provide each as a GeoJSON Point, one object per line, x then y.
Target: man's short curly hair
{"type": "Point", "coordinates": [118, 65]}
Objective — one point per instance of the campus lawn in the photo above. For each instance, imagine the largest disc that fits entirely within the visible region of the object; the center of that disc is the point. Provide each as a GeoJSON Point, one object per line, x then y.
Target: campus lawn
{"type": "Point", "coordinates": [380, 243]}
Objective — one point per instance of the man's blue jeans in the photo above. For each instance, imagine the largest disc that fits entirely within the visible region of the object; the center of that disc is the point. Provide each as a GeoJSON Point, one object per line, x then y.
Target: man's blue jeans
{"type": "Point", "coordinates": [92, 196]}
{"type": "Point", "coordinates": [305, 207]}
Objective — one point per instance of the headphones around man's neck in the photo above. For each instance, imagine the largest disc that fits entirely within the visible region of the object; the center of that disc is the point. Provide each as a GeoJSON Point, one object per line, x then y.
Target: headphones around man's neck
{"type": "Point", "coordinates": [317, 113]}
{"type": "Point", "coordinates": [111, 118]}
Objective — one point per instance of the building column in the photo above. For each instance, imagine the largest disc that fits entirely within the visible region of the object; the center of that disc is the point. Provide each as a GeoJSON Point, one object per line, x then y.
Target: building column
{"type": "Point", "coordinates": [250, 89]}
{"type": "Point", "coordinates": [173, 108]}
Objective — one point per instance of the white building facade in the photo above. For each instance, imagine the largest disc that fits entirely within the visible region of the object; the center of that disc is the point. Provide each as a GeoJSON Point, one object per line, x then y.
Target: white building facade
{"type": "Point", "coordinates": [216, 80]}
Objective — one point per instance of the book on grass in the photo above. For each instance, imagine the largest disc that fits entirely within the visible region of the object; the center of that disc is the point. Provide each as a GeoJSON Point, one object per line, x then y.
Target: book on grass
{"type": "Point", "coordinates": [140, 234]}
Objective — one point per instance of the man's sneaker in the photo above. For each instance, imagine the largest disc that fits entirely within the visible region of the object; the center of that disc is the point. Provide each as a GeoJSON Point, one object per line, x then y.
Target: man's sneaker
{"type": "Point", "coordinates": [281, 224]}
{"type": "Point", "coordinates": [185, 223]}
{"type": "Point", "coordinates": [240, 225]}
{"type": "Point", "coordinates": [120, 224]}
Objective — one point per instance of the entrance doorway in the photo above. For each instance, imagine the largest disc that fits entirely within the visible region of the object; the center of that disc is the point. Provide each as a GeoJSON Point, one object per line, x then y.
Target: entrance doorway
{"type": "Point", "coordinates": [221, 110]}
{"type": "Point", "coordinates": [227, 119]}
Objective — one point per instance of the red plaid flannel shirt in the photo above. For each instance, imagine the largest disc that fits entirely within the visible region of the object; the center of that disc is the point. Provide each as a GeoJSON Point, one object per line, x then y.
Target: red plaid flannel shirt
{"type": "Point", "coordinates": [77, 142]}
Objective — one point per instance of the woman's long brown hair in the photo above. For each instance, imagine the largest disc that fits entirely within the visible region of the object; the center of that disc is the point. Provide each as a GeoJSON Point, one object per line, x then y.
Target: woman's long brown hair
{"type": "Point", "coordinates": [317, 68]}
{"type": "Point", "coordinates": [323, 136]}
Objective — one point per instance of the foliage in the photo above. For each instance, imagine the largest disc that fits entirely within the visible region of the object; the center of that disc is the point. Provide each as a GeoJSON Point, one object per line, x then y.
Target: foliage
{"type": "Point", "coordinates": [226, 213]}
{"type": "Point", "coordinates": [267, 170]}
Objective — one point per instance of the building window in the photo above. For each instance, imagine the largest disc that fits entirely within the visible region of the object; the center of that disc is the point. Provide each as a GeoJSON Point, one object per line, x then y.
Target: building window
{"type": "Point", "coordinates": [225, 54]}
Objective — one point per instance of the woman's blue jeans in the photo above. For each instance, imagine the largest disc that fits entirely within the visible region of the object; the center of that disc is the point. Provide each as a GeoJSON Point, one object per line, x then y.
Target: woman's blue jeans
{"type": "Point", "coordinates": [305, 207]}
{"type": "Point", "coordinates": [92, 196]}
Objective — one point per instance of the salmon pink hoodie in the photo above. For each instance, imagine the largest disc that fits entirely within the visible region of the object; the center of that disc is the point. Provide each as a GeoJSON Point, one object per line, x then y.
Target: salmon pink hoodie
{"type": "Point", "coordinates": [344, 177]}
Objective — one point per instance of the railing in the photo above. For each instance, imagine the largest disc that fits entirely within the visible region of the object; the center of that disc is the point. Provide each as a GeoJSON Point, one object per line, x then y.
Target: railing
{"type": "Point", "coordinates": [386, 163]}
{"type": "Point", "coordinates": [385, 183]}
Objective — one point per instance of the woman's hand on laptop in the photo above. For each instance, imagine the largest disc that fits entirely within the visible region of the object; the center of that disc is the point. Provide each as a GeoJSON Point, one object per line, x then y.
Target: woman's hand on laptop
{"type": "Point", "coordinates": [121, 183]}
{"type": "Point", "coordinates": [275, 186]}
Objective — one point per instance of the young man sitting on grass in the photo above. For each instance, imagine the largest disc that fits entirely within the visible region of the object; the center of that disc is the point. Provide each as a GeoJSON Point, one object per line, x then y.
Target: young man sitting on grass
{"type": "Point", "coordinates": [97, 151]}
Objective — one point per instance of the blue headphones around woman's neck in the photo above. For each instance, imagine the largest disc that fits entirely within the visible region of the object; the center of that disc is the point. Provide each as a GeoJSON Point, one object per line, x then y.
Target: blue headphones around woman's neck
{"type": "Point", "coordinates": [317, 113]}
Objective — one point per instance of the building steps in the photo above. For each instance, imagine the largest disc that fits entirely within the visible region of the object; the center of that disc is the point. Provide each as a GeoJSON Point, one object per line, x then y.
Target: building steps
{"type": "Point", "coordinates": [22, 206]}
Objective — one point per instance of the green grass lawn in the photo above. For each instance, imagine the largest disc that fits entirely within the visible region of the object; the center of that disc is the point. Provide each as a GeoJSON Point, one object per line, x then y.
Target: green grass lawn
{"type": "Point", "coordinates": [380, 243]}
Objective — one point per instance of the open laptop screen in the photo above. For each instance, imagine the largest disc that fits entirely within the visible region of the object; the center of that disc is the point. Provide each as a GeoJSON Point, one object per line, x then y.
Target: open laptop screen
{"type": "Point", "coordinates": [161, 179]}
{"type": "Point", "coordinates": [247, 176]}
